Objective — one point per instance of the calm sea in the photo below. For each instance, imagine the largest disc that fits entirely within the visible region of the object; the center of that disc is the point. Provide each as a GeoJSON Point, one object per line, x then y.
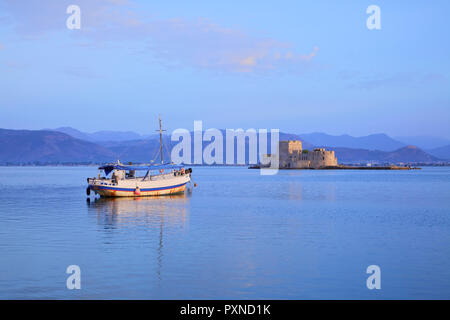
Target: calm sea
{"type": "Point", "coordinates": [238, 235]}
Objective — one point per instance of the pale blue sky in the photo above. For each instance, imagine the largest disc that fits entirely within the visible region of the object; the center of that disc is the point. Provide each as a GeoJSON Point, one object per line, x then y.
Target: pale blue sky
{"type": "Point", "coordinates": [300, 66]}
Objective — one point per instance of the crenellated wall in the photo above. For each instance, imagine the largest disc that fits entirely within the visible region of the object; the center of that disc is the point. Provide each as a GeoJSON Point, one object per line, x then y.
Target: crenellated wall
{"type": "Point", "coordinates": [292, 156]}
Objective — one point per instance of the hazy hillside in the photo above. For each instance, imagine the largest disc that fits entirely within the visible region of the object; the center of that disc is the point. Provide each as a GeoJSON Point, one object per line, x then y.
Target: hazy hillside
{"type": "Point", "coordinates": [132, 138]}
{"type": "Point", "coordinates": [141, 150]}
{"type": "Point", "coordinates": [22, 146]}
{"type": "Point", "coordinates": [425, 142]}
{"type": "Point", "coordinates": [405, 154]}
{"type": "Point", "coordinates": [371, 142]}
{"type": "Point", "coordinates": [409, 154]}
{"type": "Point", "coordinates": [100, 136]}
{"type": "Point", "coordinates": [442, 152]}
{"type": "Point", "coordinates": [48, 146]}
{"type": "Point", "coordinates": [148, 149]}
{"type": "Point", "coordinates": [72, 132]}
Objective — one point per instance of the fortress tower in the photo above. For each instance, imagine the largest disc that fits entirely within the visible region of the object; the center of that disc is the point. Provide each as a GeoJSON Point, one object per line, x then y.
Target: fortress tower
{"type": "Point", "coordinates": [292, 156]}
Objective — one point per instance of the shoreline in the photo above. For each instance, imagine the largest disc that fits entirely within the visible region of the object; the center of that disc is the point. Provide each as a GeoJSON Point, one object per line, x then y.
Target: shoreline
{"type": "Point", "coordinates": [411, 166]}
{"type": "Point", "coordinates": [345, 167]}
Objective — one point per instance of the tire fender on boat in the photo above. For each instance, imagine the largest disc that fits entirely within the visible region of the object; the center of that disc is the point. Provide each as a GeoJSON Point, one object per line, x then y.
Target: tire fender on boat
{"type": "Point", "coordinates": [88, 191]}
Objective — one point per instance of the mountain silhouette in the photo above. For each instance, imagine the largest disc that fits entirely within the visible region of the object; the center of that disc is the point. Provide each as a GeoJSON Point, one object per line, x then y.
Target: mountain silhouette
{"type": "Point", "coordinates": [27, 146]}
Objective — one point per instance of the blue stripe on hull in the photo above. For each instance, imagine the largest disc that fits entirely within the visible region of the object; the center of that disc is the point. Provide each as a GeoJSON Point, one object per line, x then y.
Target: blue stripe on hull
{"type": "Point", "coordinates": [132, 190]}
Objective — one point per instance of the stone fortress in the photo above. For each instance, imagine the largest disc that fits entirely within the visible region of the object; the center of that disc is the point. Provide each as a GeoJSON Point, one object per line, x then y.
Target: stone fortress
{"type": "Point", "coordinates": [292, 156]}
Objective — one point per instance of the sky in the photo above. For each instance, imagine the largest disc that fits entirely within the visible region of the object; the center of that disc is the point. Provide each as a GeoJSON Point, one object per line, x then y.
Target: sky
{"type": "Point", "coordinates": [297, 66]}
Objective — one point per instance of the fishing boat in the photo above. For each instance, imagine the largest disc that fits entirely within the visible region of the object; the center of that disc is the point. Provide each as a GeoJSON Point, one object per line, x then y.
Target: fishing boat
{"type": "Point", "coordinates": [121, 180]}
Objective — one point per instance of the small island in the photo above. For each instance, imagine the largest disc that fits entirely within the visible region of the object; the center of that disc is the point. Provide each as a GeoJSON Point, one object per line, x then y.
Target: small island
{"type": "Point", "coordinates": [293, 156]}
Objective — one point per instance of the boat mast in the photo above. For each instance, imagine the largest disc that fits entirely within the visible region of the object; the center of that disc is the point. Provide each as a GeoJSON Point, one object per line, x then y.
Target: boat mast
{"type": "Point", "coordinates": [160, 139]}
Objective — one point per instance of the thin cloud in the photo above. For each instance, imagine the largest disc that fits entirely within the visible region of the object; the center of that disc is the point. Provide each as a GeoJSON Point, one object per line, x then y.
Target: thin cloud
{"type": "Point", "coordinates": [198, 43]}
{"type": "Point", "coordinates": [203, 44]}
{"type": "Point", "coordinates": [401, 79]}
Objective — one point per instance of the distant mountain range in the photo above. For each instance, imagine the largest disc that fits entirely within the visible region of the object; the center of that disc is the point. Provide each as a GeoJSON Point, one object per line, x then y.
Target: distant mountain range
{"type": "Point", "coordinates": [102, 136]}
{"type": "Point", "coordinates": [438, 148]}
{"type": "Point", "coordinates": [379, 141]}
{"type": "Point", "coordinates": [424, 142]}
{"type": "Point", "coordinates": [71, 145]}
{"type": "Point", "coordinates": [441, 152]}
{"type": "Point", "coordinates": [21, 146]}
{"type": "Point", "coordinates": [402, 155]}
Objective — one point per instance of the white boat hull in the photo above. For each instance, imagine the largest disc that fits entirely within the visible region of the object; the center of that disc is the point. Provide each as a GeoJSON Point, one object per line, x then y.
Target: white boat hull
{"type": "Point", "coordinates": [165, 185]}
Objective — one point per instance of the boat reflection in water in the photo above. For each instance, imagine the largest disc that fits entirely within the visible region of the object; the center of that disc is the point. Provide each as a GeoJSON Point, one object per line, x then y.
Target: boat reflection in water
{"type": "Point", "coordinates": [149, 211]}
{"type": "Point", "coordinates": [143, 222]}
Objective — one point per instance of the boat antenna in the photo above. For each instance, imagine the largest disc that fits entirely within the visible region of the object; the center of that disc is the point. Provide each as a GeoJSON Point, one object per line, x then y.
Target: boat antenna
{"type": "Point", "coordinates": [160, 139]}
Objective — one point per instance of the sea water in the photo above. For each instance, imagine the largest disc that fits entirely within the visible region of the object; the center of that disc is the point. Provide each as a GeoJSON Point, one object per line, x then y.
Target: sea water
{"type": "Point", "coordinates": [300, 234]}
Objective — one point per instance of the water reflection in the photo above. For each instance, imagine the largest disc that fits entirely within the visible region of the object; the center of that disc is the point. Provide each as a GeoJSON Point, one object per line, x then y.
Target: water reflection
{"type": "Point", "coordinates": [310, 191]}
{"type": "Point", "coordinates": [294, 191]}
{"type": "Point", "coordinates": [148, 211]}
{"type": "Point", "coordinates": [143, 214]}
